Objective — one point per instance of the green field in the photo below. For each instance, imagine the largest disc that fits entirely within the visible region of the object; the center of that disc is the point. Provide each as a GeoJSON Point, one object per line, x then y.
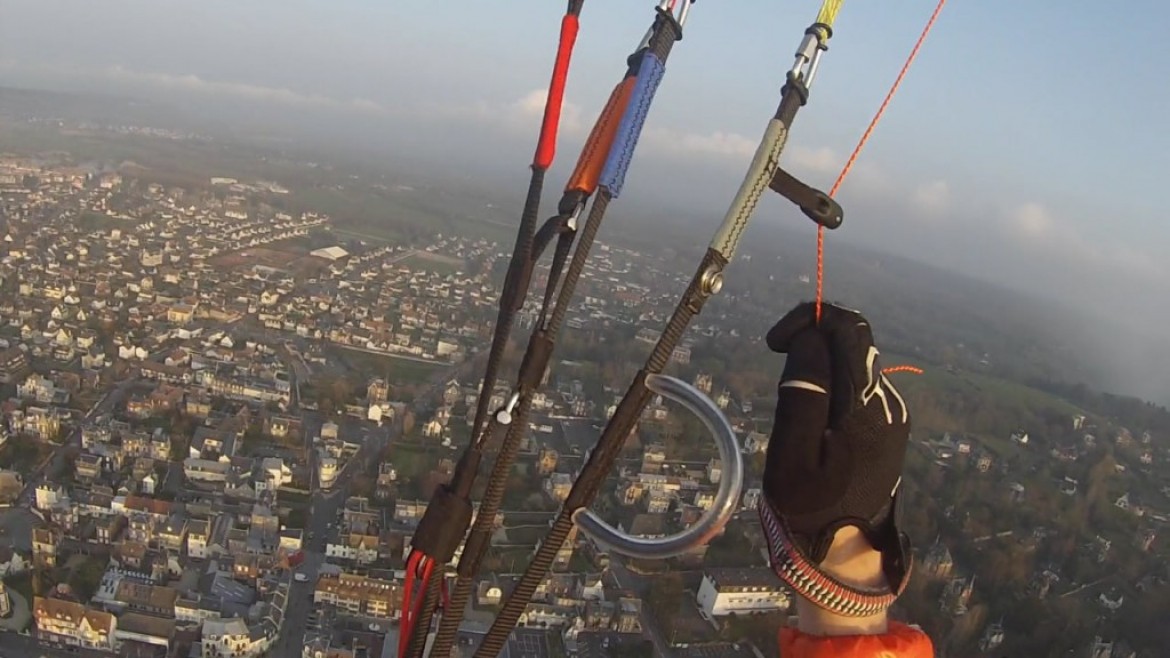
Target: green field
{"type": "Point", "coordinates": [378, 215]}
{"type": "Point", "coordinates": [397, 370]}
{"type": "Point", "coordinates": [437, 263]}
{"type": "Point", "coordinates": [976, 405]}
{"type": "Point", "coordinates": [412, 459]}
{"type": "Point", "coordinates": [360, 210]}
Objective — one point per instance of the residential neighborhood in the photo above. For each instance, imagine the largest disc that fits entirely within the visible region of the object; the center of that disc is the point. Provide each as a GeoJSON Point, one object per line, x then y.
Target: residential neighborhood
{"type": "Point", "coordinates": [223, 420]}
{"type": "Point", "coordinates": [188, 485]}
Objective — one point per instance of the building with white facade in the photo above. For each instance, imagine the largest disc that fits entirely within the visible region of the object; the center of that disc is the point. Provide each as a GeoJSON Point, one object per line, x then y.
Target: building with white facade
{"type": "Point", "coordinates": [740, 591]}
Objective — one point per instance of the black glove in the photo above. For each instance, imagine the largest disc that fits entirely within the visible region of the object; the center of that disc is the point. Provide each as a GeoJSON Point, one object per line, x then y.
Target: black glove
{"type": "Point", "coordinates": [839, 438]}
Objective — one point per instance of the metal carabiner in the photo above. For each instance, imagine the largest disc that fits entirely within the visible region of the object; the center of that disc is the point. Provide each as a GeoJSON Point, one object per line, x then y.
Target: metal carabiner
{"type": "Point", "coordinates": [712, 520]}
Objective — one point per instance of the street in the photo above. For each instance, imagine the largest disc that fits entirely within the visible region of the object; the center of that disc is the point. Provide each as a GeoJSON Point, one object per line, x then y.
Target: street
{"type": "Point", "coordinates": [324, 508]}
{"type": "Point", "coordinates": [56, 461]}
{"type": "Point", "coordinates": [16, 645]}
{"type": "Point", "coordinates": [626, 580]}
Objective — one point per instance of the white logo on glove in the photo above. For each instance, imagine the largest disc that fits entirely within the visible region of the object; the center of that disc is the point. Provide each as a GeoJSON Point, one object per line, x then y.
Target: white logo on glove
{"type": "Point", "coordinates": [874, 387]}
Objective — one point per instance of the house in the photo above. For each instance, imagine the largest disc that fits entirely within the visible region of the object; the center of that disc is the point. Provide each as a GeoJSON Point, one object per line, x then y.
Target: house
{"type": "Point", "coordinates": [740, 591]}
{"type": "Point", "coordinates": [329, 431]}
{"type": "Point", "coordinates": [326, 471]}
{"type": "Point", "coordinates": [181, 313]}
{"type": "Point", "coordinates": [360, 595]}
{"type": "Point", "coordinates": [714, 470]}
{"type": "Point", "coordinates": [564, 556]}
{"type": "Point", "coordinates": [451, 392]}
{"type": "Point", "coordinates": [38, 388]}
{"type": "Point", "coordinates": [72, 624]}
{"type": "Point", "coordinates": [378, 391]}
{"type": "Point", "coordinates": [134, 628]}
{"type": "Point", "coordinates": [88, 466]}
{"type": "Point", "coordinates": [44, 546]}
{"type": "Point", "coordinates": [39, 422]}
{"type": "Point", "coordinates": [362, 549]}
{"type": "Point", "coordinates": [108, 528]}
{"type": "Point", "coordinates": [1122, 502]}
{"type": "Point", "coordinates": [658, 502]}
{"type": "Point", "coordinates": [281, 427]}
{"type": "Point", "coordinates": [198, 533]}
{"type": "Point", "coordinates": [992, 637]}
{"type": "Point", "coordinates": [938, 562]}
{"type": "Point", "coordinates": [546, 462]}
{"type": "Point", "coordinates": [409, 511]}
{"type": "Point", "coordinates": [172, 533]}
{"type": "Point", "coordinates": [227, 638]}
{"type": "Point", "coordinates": [488, 593]}
{"type": "Point", "coordinates": [558, 486]}
{"type": "Point", "coordinates": [983, 463]}
{"type": "Point", "coordinates": [130, 554]}
{"type": "Point", "coordinates": [276, 474]}
{"type": "Point", "coordinates": [14, 365]}
{"type": "Point", "coordinates": [11, 562]}
{"type": "Point", "coordinates": [629, 615]}
{"type": "Point", "coordinates": [387, 475]}
{"type": "Point", "coordinates": [653, 457]}
{"type": "Point", "coordinates": [756, 442]}
{"type": "Point", "coordinates": [751, 498]}
{"type": "Point", "coordinates": [149, 599]}
{"type": "Point", "coordinates": [956, 596]}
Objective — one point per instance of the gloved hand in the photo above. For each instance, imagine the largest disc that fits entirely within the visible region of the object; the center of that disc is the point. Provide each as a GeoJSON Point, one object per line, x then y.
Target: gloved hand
{"type": "Point", "coordinates": [838, 442]}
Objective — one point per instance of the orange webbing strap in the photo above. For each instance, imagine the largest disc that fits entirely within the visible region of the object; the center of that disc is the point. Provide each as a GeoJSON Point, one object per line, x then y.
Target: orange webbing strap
{"type": "Point", "coordinates": [596, 149]}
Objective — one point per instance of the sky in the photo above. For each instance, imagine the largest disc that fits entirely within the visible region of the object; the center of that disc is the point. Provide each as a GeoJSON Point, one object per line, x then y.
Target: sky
{"type": "Point", "coordinates": [1021, 149]}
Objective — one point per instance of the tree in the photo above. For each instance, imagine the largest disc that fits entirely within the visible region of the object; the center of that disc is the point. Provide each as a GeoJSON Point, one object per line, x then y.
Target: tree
{"type": "Point", "coordinates": [363, 485]}
{"type": "Point", "coordinates": [297, 517]}
{"type": "Point", "coordinates": [638, 650]}
{"type": "Point", "coordinates": [665, 597]}
{"type": "Point", "coordinates": [86, 577]}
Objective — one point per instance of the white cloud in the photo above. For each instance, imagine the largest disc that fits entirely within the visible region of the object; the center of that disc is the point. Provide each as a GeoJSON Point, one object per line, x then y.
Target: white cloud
{"type": "Point", "coordinates": [812, 160]}
{"type": "Point", "coordinates": [530, 107]}
{"type": "Point", "coordinates": [1032, 220]}
{"type": "Point", "coordinates": [195, 84]}
{"type": "Point", "coordinates": [519, 116]}
{"type": "Point", "coordinates": [932, 199]}
{"type": "Point", "coordinates": [718, 144]}
{"type": "Point", "coordinates": [191, 83]}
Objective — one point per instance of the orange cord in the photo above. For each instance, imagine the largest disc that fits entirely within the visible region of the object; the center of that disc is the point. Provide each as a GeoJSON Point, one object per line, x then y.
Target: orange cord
{"type": "Point", "coordinates": [861, 144]}
{"type": "Point", "coordinates": [911, 369]}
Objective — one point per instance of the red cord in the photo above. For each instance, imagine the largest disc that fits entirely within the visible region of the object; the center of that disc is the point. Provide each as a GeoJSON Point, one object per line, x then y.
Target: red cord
{"type": "Point", "coordinates": [861, 144]}
{"type": "Point", "coordinates": [428, 566]}
{"type": "Point", "coordinates": [412, 609]}
{"type": "Point", "coordinates": [406, 625]}
{"type": "Point", "coordinates": [546, 146]}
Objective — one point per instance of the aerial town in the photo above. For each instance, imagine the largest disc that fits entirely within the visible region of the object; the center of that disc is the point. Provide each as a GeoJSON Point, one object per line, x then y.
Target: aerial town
{"type": "Point", "coordinates": [199, 460]}
{"type": "Point", "coordinates": [174, 489]}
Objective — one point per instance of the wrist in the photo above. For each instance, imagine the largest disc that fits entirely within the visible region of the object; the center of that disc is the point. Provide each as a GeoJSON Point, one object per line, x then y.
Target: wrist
{"type": "Point", "coordinates": [852, 561]}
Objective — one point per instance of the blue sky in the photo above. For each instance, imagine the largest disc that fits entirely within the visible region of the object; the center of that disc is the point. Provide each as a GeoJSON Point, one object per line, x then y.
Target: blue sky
{"type": "Point", "coordinates": [1026, 146]}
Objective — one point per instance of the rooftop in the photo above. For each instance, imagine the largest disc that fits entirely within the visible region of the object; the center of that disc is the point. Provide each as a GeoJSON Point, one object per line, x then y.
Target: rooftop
{"type": "Point", "coordinates": [741, 578]}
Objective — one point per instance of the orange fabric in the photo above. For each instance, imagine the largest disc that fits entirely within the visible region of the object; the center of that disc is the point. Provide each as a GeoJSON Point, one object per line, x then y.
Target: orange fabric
{"type": "Point", "coordinates": [900, 641]}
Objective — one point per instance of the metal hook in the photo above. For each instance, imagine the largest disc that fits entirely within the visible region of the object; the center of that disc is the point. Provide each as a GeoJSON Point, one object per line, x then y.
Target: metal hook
{"type": "Point", "coordinates": [504, 415]}
{"type": "Point", "coordinates": [726, 500]}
